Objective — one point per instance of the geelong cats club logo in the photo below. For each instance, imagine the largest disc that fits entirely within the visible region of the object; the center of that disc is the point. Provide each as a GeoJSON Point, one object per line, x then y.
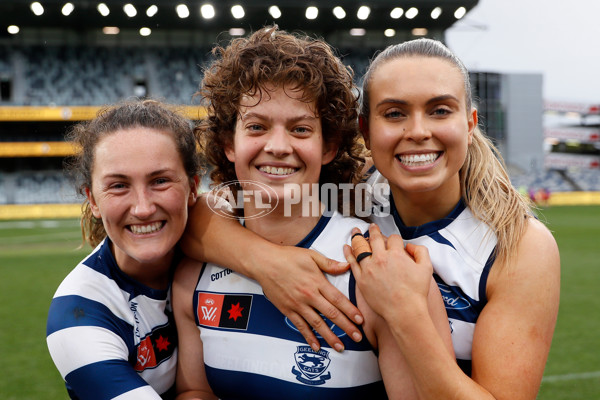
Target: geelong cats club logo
{"type": "Point", "coordinates": [311, 366]}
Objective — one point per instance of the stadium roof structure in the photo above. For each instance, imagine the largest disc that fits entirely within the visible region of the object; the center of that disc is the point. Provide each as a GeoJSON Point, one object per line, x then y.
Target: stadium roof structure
{"type": "Point", "coordinates": [332, 15]}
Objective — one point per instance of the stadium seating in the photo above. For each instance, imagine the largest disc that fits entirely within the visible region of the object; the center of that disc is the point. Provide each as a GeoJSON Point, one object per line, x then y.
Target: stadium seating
{"type": "Point", "coordinates": [36, 187]}
{"type": "Point", "coordinates": [98, 75]}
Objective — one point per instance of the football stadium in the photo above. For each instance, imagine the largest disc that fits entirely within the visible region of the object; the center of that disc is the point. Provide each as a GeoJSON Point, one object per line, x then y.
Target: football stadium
{"type": "Point", "coordinates": [61, 62]}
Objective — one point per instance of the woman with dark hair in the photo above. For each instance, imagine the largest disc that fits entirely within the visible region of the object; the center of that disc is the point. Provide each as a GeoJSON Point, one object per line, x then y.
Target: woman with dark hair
{"type": "Point", "coordinates": [282, 123]}
{"type": "Point", "coordinates": [110, 329]}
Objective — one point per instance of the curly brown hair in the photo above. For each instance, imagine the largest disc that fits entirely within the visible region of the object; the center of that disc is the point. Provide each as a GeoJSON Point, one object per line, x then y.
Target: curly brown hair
{"type": "Point", "coordinates": [247, 66]}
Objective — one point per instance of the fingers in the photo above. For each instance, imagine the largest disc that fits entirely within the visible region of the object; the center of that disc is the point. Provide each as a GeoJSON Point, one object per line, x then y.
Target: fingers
{"type": "Point", "coordinates": [306, 331]}
{"type": "Point", "coordinates": [360, 246]}
{"type": "Point", "coordinates": [325, 300]}
{"type": "Point", "coordinates": [420, 254]}
{"type": "Point", "coordinates": [377, 241]}
{"type": "Point", "coordinates": [328, 265]}
{"type": "Point", "coordinates": [311, 321]}
{"type": "Point", "coordinates": [356, 270]}
{"type": "Point", "coordinates": [338, 311]}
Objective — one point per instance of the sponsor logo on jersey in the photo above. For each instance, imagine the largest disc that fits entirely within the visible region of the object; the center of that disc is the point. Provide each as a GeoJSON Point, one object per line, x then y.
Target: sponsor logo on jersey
{"type": "Point", "coordinates": [311, 365]}
{"type": "Point", "coordinates": [333, 327]}
{"type": "Point", "coordinates": [156, 347]}
{"type": "Point", "coordinates": [221, 274]}
{"type": "Point", "coordinates": [224, 310]}
{"type": "Point", "coordinates": [453, 297]}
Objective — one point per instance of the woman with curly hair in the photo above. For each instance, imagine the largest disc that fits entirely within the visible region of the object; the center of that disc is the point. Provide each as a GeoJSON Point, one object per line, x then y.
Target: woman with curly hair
{"type": "Point", "coordinates": [452, 212]}
{"type": "Point", "coordinates": [281, 122]}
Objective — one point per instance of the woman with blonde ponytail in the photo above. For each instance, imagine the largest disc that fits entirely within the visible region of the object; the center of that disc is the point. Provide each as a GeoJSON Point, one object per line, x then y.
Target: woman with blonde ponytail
{"type": "Point", "coordinates": [455, 213]}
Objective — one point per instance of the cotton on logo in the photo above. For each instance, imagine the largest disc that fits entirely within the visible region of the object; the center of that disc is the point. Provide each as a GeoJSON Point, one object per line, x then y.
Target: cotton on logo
{"type": "Point", "coordinates": [209, 313]}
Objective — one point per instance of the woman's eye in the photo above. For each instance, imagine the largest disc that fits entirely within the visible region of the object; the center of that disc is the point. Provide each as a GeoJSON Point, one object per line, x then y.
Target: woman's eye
{"type": "Point", "coordinates": [117, 186]}
{"type": "Point", "coordinates": [302, 130]}
{"type": "Point", "coordinates": [393, 114]}
{"type": "Point", "coordinates": [255, 128]}
{"type": "Point", "coordinates": [441, 111]}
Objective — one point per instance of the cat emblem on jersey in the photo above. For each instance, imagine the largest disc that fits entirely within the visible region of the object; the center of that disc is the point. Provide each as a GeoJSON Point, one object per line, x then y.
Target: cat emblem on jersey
{"type": "Point", "coordinates": [311, 365]}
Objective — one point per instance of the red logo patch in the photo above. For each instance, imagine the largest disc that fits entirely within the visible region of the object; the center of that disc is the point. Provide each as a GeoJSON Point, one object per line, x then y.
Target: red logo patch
{"type": "Point", "coordinates": [223, 311]}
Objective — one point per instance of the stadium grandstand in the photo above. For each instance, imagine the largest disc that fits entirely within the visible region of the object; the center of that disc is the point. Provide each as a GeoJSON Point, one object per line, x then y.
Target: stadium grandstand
{"type": "Point", "coordinates": [60, 61]}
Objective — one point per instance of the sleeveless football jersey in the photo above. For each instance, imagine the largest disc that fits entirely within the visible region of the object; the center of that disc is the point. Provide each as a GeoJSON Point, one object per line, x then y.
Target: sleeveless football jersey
{"type": "Point", "coordinates": [252, 351]}
{"type": "Point", "coordinates": [461, 248]}
{"type": "Point", "coordinates": [110, 335]}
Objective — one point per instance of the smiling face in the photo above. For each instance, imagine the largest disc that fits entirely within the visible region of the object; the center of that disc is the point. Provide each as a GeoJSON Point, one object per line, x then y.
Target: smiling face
{"type": "Point", "coordinates": [141, 191]}
{"type": "Point", "coordinates": [278, 140]}
{"type": "Point", "coordinates": [419, 129]}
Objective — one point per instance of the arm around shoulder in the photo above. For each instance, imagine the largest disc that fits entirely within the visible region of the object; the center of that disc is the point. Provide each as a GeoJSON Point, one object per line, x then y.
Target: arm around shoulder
{"type": "Point", "coordinates": [290, 276]}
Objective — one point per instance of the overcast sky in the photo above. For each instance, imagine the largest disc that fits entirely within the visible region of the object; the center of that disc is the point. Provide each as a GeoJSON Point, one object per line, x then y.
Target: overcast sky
{"type": "Point", "coordinates": [558, 38]}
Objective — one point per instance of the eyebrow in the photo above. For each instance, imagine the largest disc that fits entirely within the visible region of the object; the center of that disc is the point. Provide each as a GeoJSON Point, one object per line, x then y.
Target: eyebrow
{"type": "Point", "coordinates": [150, 175]}
{"type": "Point", "coordinates": [435, 99]}
{"type": "Point", "coordinates": [268, 117]}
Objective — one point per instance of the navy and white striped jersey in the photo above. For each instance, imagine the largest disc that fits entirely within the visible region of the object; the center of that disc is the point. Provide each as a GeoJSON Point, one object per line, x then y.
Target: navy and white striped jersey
{"type": "Point", "coordinates": [461, 248]}
{"type": "Point", "coordinates": [252, 351]}
{"type": "Point", "coordinates": [111, 336]}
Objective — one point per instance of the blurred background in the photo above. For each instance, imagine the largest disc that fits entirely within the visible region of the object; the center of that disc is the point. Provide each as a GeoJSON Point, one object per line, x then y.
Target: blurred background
{"type": "Point", "coordinates": [60, 61]}
{"type": "Point", "coordinates": [534, 77]}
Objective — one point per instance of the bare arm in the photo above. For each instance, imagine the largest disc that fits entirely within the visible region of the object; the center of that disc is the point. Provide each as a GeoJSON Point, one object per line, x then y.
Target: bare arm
{"type": "Point", "coordinates": [513, 333]}
{"type": "Point", "coordinates": [191, 381]}
{"type": "Point", "coordinates": [395, 370]}
{"type": "Point", "coordinates": [289, 276]}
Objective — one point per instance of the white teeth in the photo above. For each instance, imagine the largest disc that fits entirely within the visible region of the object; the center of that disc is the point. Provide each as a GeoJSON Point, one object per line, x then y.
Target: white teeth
{"type": "Point", "coordinates": [143, 229]}
{"type": "Point", "coordinates": [414, 160]}
{"type": "Point", "coordinates": [277, 170]}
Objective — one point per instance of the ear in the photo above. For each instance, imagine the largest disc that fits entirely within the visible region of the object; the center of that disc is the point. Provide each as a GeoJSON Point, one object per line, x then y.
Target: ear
{"type": "Point", "coordinates": [93, 206]}
{"type": "Point", "coordinates": [329, 152]}
{"type": "Point", "coordinates": [363, 124]}
{"type": "Point", "coordinates": [230, 151]}
{"type": "Point", "coordinates": [472, 124]}
{"type": "Point", "coordinates": [194, 185]}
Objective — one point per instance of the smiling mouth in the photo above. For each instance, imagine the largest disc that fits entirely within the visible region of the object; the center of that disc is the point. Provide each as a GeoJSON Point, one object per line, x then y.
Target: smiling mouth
{"type": "Point", "coordinates": [146, 229]}
{"type": "Point", "coordinates": [277, 170]}
{"type": "Point", "coordinates": [418, 160]}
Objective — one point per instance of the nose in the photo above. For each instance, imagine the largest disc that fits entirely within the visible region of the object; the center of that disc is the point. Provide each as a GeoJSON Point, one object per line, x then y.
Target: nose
{"type": "Point", "coordinates": [143, 204]}
{"type": "Point", "coordinates": [417, 128]}
{"type": "Point", "coordinates": [278, 142]}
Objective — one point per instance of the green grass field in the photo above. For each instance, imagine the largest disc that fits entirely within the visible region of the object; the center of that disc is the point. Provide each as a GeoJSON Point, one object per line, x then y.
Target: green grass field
{"type": "Point", "coordinates": [36, 255]}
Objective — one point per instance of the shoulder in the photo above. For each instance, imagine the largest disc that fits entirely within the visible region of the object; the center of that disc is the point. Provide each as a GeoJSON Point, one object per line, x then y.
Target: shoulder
{"type": "Point", "coordinates": [537, 248]}
{"type": "Point", "coordinates": [187, 273]}
{"type": "Point", "coordinates": [535, 264]}
{"type": "Point", "coordinates": [86, 282]}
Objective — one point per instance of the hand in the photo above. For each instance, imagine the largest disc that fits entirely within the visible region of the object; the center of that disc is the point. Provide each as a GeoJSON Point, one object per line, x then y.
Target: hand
{"type": "Point", "coordinates": [392, 274]}
{"type": "Point", "coordinates": [299, 290]}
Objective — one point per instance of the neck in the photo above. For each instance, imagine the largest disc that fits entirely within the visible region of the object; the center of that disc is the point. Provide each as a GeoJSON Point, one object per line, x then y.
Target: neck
{"type": "Point", "coordinates": [154, 275]}
{"type": "Point", "coordinates": [416, 209]}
